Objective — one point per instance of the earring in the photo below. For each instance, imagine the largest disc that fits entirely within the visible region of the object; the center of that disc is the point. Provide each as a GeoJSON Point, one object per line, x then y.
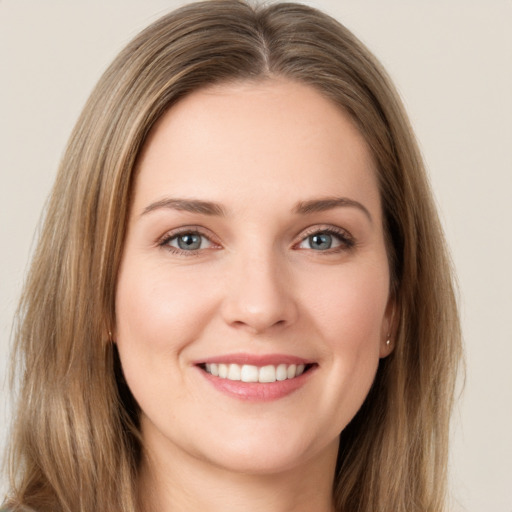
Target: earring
{"type": "Point", "coordinates": [388, 342]}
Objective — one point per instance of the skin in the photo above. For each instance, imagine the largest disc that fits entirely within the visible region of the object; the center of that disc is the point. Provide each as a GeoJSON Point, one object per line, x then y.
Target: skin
{"type": "Point", "coordinates": [257, 285]}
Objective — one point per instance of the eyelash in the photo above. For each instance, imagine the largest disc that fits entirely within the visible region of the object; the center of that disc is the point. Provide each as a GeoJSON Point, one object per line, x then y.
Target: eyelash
{"type": "Point", "coordinates": [347, 242]}
{"type": "Point", "coordinates": [192, 230]}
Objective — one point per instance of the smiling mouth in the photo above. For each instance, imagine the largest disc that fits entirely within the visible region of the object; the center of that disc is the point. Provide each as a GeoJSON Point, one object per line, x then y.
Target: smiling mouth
{"type": "Point", "coordinates": [251, 373]}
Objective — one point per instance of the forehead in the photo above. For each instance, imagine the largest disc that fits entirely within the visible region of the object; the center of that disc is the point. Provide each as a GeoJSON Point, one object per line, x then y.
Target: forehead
{"type": "Point", "coordinates": [232, 141]}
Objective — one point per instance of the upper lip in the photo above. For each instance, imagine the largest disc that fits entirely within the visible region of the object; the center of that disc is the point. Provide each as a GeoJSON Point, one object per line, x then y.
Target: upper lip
{"type": "Point", "coordinates": [255, 359]}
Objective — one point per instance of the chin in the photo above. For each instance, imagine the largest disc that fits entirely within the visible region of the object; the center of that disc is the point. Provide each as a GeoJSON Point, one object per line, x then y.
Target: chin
{"type": "Point", "coordinates": [262, 455]}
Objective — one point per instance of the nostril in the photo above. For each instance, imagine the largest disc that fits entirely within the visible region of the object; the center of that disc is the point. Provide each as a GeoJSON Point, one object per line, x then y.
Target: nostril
{"type": "Point", "coordinates": [258, 301]}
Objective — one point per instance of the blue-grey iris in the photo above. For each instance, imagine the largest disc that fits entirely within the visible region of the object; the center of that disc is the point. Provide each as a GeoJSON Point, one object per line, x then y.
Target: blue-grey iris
{"type": "Point", "coordinates": [320, 241]}
{"type": "Point", "coordinates": [189, 242]}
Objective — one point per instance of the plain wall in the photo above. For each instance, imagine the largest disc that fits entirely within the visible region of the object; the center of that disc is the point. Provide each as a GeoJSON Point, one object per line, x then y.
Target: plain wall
{"type": "Point", "coordinates": [452, 62]}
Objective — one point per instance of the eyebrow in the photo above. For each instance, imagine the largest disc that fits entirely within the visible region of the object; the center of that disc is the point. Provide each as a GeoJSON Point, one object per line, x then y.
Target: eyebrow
{"type": "Point", "coordinates": [329, 203]}
{"type": "Point", "coordinates": [187, 205]}
{"type": "Point", "coordinates": [211, 208]}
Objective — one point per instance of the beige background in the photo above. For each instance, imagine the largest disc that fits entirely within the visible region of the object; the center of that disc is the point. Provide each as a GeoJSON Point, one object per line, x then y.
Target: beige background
{"type": "Point", "coordinates": [452, 62]}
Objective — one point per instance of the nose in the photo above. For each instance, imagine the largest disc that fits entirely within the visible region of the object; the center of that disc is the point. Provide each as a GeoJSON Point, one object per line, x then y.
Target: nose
{"type": "Point", "coordinates": [259, 294]}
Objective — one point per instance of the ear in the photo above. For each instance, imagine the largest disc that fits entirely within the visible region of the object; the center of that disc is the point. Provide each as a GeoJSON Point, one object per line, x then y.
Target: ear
{"type": "Point", "coordinates": [389, 328]}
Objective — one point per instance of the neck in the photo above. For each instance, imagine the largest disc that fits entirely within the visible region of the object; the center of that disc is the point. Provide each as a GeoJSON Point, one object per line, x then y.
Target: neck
{"type": "Point", "coordinates": [180, 483]}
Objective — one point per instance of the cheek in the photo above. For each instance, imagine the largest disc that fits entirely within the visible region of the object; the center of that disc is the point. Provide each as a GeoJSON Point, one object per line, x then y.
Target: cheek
{"type": "Point", "coordinates": [350, 315]}
{"type": "Point", "coordinates": [350, 304]}
{"type": "Point", "coordinates": [159, 312]}
{"type": "Point", "coordinates": [155, 305]}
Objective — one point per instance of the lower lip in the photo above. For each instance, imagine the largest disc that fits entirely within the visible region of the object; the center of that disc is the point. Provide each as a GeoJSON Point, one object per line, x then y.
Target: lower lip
{"type": "Point", "coordinates": [257, 391]}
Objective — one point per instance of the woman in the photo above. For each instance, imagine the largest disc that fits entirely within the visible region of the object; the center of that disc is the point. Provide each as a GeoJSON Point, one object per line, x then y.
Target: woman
{"type": "Point", "coordinates": [241, 297]}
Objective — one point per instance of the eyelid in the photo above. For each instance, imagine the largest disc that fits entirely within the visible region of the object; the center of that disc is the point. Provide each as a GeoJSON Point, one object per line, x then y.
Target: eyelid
{"type": "Point", "coordinates": [345, 237]}
{"type": "Point", "coordinates": [347, 241]}
{"type": "Point", "coordinates": [183, 230]}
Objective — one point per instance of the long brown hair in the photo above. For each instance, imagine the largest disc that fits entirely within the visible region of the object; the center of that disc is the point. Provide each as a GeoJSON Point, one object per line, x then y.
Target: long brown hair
{"type": "Point", "coordinates": [75, 439]}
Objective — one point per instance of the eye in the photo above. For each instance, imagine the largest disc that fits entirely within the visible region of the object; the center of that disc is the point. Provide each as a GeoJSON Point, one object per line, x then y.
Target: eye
{"type": "Point", "coordinates": [186, 241]}
{"type": "Point", "coordinates": [327, 239]}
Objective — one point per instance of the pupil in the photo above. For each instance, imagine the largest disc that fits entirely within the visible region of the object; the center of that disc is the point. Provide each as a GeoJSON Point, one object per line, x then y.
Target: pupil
{"type": "Point", "coordinates": [320, 241]}
{"type": "Point", "coordinates": [189, 242]}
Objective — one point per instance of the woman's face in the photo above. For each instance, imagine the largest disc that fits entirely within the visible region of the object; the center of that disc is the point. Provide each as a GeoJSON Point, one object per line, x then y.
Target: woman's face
{"type": "Point", "coordinates": [253, 296]}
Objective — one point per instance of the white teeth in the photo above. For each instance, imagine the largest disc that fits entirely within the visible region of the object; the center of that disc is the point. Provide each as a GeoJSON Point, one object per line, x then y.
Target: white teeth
{"type": "Point", "coordinates": [250, 373]}
{"type": "Point", "coordinates": [267, 373]}
{"type": "Point", "coordinates": [223, 371]}
{"type": "Point", "coordinates": [281, 372]}
{"type": "Point", "coordinates": [234, 372]}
